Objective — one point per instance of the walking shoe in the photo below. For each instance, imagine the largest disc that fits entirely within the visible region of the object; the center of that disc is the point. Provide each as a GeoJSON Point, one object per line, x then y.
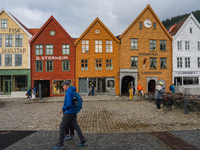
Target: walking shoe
{"type": "Point", "coordinates": [72, 137]}
{"type": "Point", "coordinates": [82, 143]}
{"type": "Point", "coordinates": [58, 146]}
{"type": "Point", "coordinates": [67, 137]}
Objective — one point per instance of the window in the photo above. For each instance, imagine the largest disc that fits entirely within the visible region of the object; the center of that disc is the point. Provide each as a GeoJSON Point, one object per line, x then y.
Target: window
{"type": "Point", "coordinates": [198, 43]}
{"type": "Point", "coordinates": [98, 64]}
{"type": "Point", "coordinates": [109, 64]}
{"type": "Point", "coordinates": [140, 25]}
{"type": "Point", "coordinates": [98, 46]}
{"type": "Point", "coordinates": [66, 49]}
{"type": "Point", "coordinates": [57, 86]}
{"type": "Point", "coordinates": [49, 65]}
{"type": "Point", "coordinates": [152, 62]}
{"type": "Point", "coordinates": [178, 81]}
{"type": "Point", "coordinates": [190, 81]}
{"type": "Point", "coordinates": [154, 25]}
{"type": "Point", "coordinates": [179, 43]}
{"type": "Point", "coordinates": [179, 62]}
{"type": "Point", "coordinates": [1, 40]}
{"type": "Point", "coordinates": [49, 49]}
{"type": "Point", "coordinates": [163, 45]}
{"type": "Point", "coordinates": [3, 24]}
{"type": "Point", "coordinates": [8, 60]}
{"type": "Point", "coordinates": [18, 40]}
{"type": "Point", "coordinates": [109, 47]}
{"type": "Point", "coordinates": [38, 65]}
{"type": "Point", "coordinates": [134, 62]}
{"type": "Point", "coordinates": [85, 46]}
{"type": "Point", "coordinates": [84, 64]}
{"type": "Point", "coordinates": [152, 45]}
{"type": "Point", "coordinates": [0, 60]}
{"type": "Point", "coordinates": [198, 62]}
{"type": "Point", "coordinates": [163, 63]}
{"type": "Point", "coordinates": [18, 60]}
{"type": "Point", "coordinates": [9, 40]}
{"type": "Point", "coordinates": [38, 49]}
{"type": "Point", "coordinates": [187, 45]}
{"type": "Point", "coordinates": [187, 62]}
{"type": "Point", "coordinates": [20, 83]}
{"type": "Point", "coordinates": [190, 30]}
{"type": "Point", "coordinates": [66, 65]}
{"type": "Point", "coordinates": [134, 44]}
{"type": "Point", "coordinates": [110, 83]}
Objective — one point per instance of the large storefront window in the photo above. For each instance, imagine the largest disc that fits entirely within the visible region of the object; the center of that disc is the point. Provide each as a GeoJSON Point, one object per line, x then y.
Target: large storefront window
{"type": "Point", "coordinates": [110, 83]}
{"type": "Point", "coordinates": [57, 87]}
{"type": "Point", "coordinates": [1, 83]}
{"type": "Point", "coordinates": [190, 81]}
{"type": "Point", "coordinates": [20, 83]}
{"type": "Point", "coordinates": [178, 81]}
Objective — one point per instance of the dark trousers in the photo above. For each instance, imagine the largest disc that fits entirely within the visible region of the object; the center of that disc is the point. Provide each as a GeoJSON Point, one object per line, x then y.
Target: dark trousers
{"type": "Point", "coordinates": [29, 95]}
{"type": "Point", "coordinates": [69, 119]}
{"type": "Point", "coordinates": [92, 92]}
{"type": "Point", "coordinates": [69, 128]}
{"type": "Point", "coordinates": [158, 103]}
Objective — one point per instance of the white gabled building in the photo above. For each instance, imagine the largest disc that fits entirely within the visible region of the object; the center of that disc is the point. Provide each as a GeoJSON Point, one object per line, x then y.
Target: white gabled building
{"type": "Point", "coordinates": [186, 53]}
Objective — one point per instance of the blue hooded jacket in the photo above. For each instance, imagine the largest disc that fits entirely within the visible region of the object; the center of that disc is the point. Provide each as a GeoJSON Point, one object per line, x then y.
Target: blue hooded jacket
{"type": "Point", "coordinates": [68, 101]}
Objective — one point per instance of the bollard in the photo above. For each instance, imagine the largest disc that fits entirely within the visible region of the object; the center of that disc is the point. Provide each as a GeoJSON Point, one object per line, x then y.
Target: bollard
{"type": "Point", "coordinates": [40, 94]}
{"type": "Point", "coordinates": [144, 96]}
{"type": "Point", "coordinates": [140, 95]}
{"type": "Point", "coordinates": [185, 103]}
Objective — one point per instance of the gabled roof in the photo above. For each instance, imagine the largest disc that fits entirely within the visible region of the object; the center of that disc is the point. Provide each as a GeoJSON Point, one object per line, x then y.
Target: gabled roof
{"type": "Point", "coordinates": [33, 31]}
{"type": "Point", "coordinates": [23, 27]}
{"type": "Point", "coordinates": [179, 26]}
{"type": "Point", "coordinates": [45, 25]}
{"type": "Point", "coordinates": [156, 17]}
{"type": "Point", "coordinates": [91, 25]}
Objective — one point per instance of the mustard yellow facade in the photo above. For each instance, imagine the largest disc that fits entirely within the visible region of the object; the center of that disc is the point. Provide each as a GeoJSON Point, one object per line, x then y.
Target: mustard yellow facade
{"type": "Point", "coordinates": [145, 54]}
{"type": "Point", "coordinates": [14, 54]}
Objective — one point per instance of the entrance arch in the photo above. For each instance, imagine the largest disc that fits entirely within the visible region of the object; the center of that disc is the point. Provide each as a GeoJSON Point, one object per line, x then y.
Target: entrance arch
{"type": "Point", "coordinates": [151, 85]}
{"type": "Point", "coordinates": [126, 83]}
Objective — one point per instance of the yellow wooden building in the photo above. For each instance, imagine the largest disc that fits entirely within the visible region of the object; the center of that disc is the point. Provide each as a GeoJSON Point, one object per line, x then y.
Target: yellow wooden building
{"type": "Point", "coordinates": [14, 55]}
{"type": "Point", "coordinates": [145, 53]}
{"type": "Point", "coordinates": [97, 60]}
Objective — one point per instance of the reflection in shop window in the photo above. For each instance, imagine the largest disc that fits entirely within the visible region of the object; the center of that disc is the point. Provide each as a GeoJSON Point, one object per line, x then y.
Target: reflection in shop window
{"type": "Point", "coordinates": [190, 81]}
{"type": "Point", "coordinates": [57, 87]}
{"type": "Point", "coordinates": [110, 83]}
{"type": "Point", "coordinates": [20, 83]}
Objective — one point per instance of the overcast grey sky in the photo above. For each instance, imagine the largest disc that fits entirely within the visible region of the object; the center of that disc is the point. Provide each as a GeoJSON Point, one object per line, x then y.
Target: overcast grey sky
{"type": "Point", "coordinates": [76, 15]}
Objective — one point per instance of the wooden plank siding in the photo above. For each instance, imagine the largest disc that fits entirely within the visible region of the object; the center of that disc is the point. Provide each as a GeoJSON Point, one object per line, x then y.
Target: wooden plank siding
{"type": "Point", "coordinates": [104, 35]}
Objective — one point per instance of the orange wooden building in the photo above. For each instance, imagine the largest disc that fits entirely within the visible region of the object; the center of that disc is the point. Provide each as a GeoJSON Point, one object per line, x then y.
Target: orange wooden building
{"type": "Point", "coordinates": [97, 60]}
{"type": "Point", "coordinates": [146, 53]}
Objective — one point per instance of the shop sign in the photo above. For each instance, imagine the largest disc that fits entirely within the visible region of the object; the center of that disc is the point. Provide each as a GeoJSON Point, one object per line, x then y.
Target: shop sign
{"type": "Point", "coordinates": [14, 30]}
{"type": "Point", "coordinates": [186, 73]}
{"type": "Point", "coordinates": [13, 50]}
{"type": "Point", "coordinates": [148, 54]}
{"type": "Point", "coordinates": [151, 72]}
{"type": "Point", "coordinates": [51, 57]}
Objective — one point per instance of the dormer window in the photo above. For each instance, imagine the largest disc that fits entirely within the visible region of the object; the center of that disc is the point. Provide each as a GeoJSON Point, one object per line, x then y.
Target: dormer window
{"type": "Point", "coordinates": [3, 24]}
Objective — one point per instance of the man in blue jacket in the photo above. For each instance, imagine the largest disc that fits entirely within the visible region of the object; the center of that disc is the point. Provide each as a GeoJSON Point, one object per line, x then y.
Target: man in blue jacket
{"type": "Point", "coordinates": [69, 117]}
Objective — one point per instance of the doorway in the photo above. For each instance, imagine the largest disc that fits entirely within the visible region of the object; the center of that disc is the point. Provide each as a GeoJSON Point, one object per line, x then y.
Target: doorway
{"type": "Point", "coordinates": [151, 86]}
{"type": "Point", "coordinates": [101, 85]}
{"type": "Point", "coordinates": [82, 85]}
{"type": "Point", "coordinates": [126, 83]}
{"type": "Point", "coordinates": [7, 84]}
{"type": "Point", "coordinates": [45, 87]}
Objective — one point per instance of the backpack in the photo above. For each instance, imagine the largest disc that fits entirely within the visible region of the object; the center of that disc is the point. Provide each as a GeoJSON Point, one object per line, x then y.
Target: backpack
{"type": "Point", "coordinates": [170, 87]}
{"type": "Point", "coordinates": [77, 102]}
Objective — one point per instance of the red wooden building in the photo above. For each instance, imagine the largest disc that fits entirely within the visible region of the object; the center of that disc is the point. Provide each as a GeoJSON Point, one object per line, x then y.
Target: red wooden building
{"type": "Point", "coordinates": [52, 58]}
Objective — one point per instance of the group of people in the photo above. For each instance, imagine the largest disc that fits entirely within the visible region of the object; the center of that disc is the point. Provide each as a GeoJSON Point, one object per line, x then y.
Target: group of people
{"type": "Point", "coordinates": [31, 93]}
{"type": "Point", "coordinates": [132, 91]}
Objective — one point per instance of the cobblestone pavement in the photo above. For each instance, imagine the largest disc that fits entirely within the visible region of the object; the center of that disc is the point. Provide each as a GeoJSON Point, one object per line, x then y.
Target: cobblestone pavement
{"type": "Point", "coordinates": [119, 116]}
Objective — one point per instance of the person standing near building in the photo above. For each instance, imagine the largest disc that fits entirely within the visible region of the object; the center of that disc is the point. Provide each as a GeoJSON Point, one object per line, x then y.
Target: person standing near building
{"type": "Point", "coordinates": [69, 117]}
{"type": "Point", "coordinates": [140, 89]}
{"type": "Point", "coordinates": [159, 95]}
{"type": "Point", "coordinates": [130, 93]}
{"type": "Point", "coordinates": [93, 89]}
{"type": "Point", "coordinates": [172, 88]}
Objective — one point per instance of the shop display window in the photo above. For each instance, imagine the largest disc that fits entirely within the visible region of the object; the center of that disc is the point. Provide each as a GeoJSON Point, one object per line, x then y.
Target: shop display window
{"type": "Point", "coordinates": [20, 83]}
{"type": "Point", "coordinates": [110, 83]}
{"type": "Point", "coordinates": [190, 81]}
{"type": "Point", "coordinates": [57, 87]}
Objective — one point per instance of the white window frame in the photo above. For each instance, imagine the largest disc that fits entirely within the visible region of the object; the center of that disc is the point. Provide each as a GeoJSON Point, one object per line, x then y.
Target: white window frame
{"type": "Point", "coordinates": [187, 62]}
{"type": "Point", "coordinates": [39, 49]}
{"type": "Point", "coordinates": [187, 45]}
{"type": "Point", "coordinates": [98, 46]}
{"type": "Point", "coordinates": [65, 49]}
{"type": "Point", "coordinates": [6, 23]}
{"type": "Point", "coordinates": [22, 40]}
{"type": "Point", "coordinates": [85, 46]}
{"type": "Point", "coordinates": [1, 44]}
{"type": "Point", "coordinates": [5, 40]}
{"type": "Point", "coordinates": [109, 46]}
{"type": "Point", "coordinates": [5, 60]}
{"type": "Point", "coordinates": [180, 62]}
{"type": "Point", "coordinates": [14, 60]}
{"type": "Point", "coordinates": [179, 45]}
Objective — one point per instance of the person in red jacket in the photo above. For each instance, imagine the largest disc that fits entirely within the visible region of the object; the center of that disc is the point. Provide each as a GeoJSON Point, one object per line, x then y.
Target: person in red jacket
{"type": "Point", "coordinates": [140, 89]}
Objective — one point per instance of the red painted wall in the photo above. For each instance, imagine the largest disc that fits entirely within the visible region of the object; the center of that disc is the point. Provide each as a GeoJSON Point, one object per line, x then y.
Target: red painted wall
{"type": "Point", "coordinates": [60, 38]}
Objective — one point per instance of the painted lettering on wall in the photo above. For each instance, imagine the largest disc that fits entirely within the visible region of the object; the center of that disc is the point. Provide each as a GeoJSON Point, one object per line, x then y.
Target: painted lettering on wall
{"type": "Point", "coordinates": [151, 72]}
{"type": "Point", "coordinates": [14, 30]}
{"type": "Point", "coordinates": [186, 73]}
{"type": "Point", "coordinates": [51, 57]}
{"type": "Point", "coordinates": [148, 54]}
{"type": "Point", "coordinates": [13, 50]}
